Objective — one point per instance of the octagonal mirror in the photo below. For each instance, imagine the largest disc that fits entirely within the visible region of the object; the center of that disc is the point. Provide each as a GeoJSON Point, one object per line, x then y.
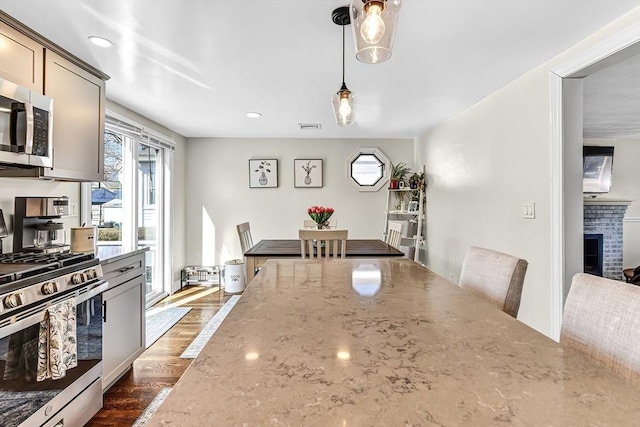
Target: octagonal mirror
{"type": "Point", "coordinates": [368, 169]}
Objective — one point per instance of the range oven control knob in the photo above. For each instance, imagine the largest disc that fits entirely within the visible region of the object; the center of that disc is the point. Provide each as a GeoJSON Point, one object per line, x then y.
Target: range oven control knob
{"type": "Point", "coordinates": [77, 279]}
{"type": "Point", "coordinates": [91, 274]}
{"type": "Point", "coordinates": [12, 301]}
{"type": "Point", "coordinates": [49, 288]}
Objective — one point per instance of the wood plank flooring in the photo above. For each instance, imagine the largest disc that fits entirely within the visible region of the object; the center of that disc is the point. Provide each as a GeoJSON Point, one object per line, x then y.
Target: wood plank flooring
{"type": "Point", "coordinates": [160, 365]}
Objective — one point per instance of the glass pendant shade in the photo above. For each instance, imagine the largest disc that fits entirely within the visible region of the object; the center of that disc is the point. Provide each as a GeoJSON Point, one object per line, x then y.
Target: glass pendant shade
{"type": "Point", "coordinates": [374, 27]}
{"type": "Point", "coordinates": [343, 106]}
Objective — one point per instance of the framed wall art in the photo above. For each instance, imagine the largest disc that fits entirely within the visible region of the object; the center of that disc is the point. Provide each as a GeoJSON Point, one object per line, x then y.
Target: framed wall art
{"type": "Point", "coordinates": [307, 173]}
{"type": "Point", "coordinates": [263, 173]}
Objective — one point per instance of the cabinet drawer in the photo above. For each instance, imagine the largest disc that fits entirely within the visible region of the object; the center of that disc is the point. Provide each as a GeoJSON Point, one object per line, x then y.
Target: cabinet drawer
{"type": "Point", "coordinates": [123, 270]}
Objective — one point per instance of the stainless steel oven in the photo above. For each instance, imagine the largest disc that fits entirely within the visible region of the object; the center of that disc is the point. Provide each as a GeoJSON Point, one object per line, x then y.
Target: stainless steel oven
{"type": "Point", "coordinates": [26, 127]}
{"type": "Point", "coordinates": [26, 399]}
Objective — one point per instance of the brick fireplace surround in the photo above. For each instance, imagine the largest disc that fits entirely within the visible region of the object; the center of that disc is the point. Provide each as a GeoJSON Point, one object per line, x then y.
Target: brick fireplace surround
{"type": "Point", "coordinates": [605, 217]}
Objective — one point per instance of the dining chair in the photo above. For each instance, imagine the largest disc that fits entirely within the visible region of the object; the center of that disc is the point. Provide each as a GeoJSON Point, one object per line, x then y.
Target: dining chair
{"type": "Point", "coordinates": [394, 234]}
{"type": "Point", "coordinates": [329, 243]}
{"type": "Point", "coordinates": [244, 233]}
{"type": "Point", "coordinates": [602, 320]}
{"type": "Point", "coordinates": [495, 277]}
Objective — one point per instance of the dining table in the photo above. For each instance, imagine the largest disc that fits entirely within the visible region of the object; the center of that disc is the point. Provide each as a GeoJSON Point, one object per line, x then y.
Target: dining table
{"type": "Point", "coordinates": [385, 342]}
{"type": "Point", "coordinates": [267, 249]}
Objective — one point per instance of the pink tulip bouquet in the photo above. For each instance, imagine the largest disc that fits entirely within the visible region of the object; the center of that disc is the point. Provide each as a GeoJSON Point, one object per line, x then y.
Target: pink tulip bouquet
{"type": "Point", "coordinates": [320, 215]}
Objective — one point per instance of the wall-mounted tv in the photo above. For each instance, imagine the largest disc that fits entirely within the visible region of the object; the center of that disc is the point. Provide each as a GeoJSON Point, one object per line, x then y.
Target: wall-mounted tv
{"type": "Point", "coordinates": [597, 167]}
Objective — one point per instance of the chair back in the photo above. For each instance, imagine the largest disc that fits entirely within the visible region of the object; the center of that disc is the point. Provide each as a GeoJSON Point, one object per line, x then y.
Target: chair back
{"type": "Point", "coordinates": [311, 224]}
{"type": "Point", "coordinates": [602, 320]}
{"type": "Point", "coordinates": [495, 277]}
{"type": "Point", "coordinates": [244, 233]}
{"type": "Point", "coordinates": [328, 243]}
{"type": "Point", "coordinates": [394, 234]}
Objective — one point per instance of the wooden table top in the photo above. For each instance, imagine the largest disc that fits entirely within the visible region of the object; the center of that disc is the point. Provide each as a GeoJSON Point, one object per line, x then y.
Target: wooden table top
{"type": "Point", "coordinates": [291, 248]}
{"type": "Point", "coordinates": [385, 342]}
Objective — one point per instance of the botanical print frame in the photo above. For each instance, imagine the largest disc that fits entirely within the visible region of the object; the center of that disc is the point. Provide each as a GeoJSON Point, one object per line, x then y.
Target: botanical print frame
{"type": "Point", "coordinates": [307, 173]}
{"type": "Point", "coordinates": [263, 173]}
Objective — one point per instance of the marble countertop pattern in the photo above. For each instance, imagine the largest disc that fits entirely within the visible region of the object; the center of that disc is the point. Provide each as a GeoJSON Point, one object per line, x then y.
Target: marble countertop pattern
{"type": "Point", "coordinates": [385, 342]}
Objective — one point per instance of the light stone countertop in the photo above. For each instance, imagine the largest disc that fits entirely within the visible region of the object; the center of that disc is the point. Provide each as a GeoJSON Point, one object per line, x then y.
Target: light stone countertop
{"type": "Point", "coordinates": [110, 254]}
{"type": "Point", "coordinates": [384, 342]}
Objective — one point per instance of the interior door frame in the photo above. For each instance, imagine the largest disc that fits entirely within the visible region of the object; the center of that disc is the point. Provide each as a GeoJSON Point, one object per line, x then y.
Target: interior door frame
{"type": "Point", "coordinates": [615, 48]}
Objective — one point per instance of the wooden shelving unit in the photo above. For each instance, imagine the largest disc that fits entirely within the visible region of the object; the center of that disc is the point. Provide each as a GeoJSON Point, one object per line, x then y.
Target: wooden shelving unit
{"type": "Point", "coordinates": [397, 209]}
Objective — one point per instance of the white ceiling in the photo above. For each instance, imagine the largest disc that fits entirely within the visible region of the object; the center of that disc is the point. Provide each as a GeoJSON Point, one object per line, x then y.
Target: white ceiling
{"type": "Point", "coordinates": [197, 67]}
{"type": "Point", "coordinates": [612, 101]}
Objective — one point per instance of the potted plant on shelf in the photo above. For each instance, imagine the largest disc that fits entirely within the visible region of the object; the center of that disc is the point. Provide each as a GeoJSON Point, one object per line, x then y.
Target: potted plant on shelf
{"type": "Point", "coordinates": [398, 174]}
{"type": "Point", "coordinates": [413, 181]}
{"type": "Point", "coordinates": [419, 185]}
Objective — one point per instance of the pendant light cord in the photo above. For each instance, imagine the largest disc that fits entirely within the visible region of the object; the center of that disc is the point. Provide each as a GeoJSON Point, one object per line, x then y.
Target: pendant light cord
{"type": "Point", "coordinates": [343, 54]}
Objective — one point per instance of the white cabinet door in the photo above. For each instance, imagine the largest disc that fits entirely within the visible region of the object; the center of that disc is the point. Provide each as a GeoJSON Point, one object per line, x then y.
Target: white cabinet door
{"type": "Point", "coordinates": [123, 338]}
{"type": "Point", "coordinates": [78, 119]}
{"type": "Point", "coordinates": [21, 59]}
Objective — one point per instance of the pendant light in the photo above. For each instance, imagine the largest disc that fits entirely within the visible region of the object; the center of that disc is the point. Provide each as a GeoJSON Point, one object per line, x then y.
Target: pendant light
{"type": "Point", "coordinates": [343, 100]}
{"type": "Point", "coordinates": [374, 27]}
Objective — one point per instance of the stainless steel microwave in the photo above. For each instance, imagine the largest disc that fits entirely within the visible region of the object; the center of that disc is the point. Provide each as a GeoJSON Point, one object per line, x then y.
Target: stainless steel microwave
{"type": "Point", "coordinates": [26, 127]}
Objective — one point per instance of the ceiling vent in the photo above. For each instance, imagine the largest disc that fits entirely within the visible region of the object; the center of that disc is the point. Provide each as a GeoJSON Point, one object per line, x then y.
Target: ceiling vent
{"type": "Point", "coordinates": [310, 126]}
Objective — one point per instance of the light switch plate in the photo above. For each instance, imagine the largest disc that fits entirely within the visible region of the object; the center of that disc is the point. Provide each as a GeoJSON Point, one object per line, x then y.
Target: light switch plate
{"type": "Point", "coordinates": [529, 210]}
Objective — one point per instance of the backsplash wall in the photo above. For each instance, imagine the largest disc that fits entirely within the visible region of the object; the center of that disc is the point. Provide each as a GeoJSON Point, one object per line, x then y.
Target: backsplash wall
{"type": "Point", "coordinates": [10, 188]}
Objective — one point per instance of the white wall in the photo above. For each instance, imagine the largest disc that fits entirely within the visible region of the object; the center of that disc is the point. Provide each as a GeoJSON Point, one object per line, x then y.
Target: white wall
{"type": "Point", "coordinates": [10, 188]}
{"type": "Point", "coordinates": [219, 197]}
{"type": "Point", "coordinates": [625, 184]}
{"type": "Point", "coordinates": [482, 164]}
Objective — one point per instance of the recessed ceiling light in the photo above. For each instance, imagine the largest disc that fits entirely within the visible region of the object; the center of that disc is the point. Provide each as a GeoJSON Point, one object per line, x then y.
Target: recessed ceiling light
{"type": "Point", "coordinates": [100, 41]}
{"type": "Point", "coordinates": [253, 115]}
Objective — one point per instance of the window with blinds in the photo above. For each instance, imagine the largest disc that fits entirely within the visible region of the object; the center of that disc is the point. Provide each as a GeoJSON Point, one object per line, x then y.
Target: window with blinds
{"type": "Point", "coordinates": [131, 206]}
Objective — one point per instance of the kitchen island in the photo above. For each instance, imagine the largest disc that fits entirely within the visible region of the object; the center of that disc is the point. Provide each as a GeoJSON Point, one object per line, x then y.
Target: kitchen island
{"type": "Point", "coordinates": [364, 342]}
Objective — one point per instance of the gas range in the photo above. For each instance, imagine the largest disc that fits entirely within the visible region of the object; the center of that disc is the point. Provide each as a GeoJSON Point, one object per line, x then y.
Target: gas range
{"type": "Point", "coordinates": [28, 277]}
{"type": "Point", "coordinates": [33, 285]}
{"type": "Point", "coordinates": [19, 265]}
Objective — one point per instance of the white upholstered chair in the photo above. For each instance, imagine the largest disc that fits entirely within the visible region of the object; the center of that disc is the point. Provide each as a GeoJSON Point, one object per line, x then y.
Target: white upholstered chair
{"type": "Point", "coordinates": [244, 233]}
{"type": "Point", "coordinates": [602, 320]}
{"type": "Point", "coordinates": [329, 243]}
{"type": "Point", "coordinates": [495, 277]}
{"type": "Point", "coordinates": [394, 234]}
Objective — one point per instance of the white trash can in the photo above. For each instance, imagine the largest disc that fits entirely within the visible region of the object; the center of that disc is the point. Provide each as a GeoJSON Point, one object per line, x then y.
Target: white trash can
{"type": "Point", "coordinates": [233, 275]}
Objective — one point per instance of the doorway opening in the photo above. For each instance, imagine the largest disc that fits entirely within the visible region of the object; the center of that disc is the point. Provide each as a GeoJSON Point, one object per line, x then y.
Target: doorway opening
{"type": "Point", "coordinates": [567, 254]}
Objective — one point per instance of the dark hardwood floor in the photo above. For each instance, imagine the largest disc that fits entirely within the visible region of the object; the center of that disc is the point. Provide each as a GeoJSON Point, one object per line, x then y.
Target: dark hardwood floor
{"type": "Point", "coordinates": [160, 365]}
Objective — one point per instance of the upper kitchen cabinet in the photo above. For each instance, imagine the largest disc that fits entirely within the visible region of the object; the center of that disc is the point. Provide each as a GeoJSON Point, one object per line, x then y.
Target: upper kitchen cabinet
{"type": "Point", "coordinates": [78, 92]}
{"type": "Point", "coordinates": [21, 59]}
{"type": "Point", "coordinates": [78, 119]}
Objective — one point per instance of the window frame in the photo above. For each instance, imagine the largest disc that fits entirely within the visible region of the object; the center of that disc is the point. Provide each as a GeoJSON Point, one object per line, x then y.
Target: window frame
{"type": "Point", "coordinates": [382, 158]}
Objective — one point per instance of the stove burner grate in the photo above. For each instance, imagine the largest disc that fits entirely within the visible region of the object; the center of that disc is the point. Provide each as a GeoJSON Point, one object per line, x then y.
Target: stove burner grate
{"type": "Point", "coordinates": [21, 265]}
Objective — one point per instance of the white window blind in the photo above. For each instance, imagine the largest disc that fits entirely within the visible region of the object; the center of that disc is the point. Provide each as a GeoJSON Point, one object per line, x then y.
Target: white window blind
{"type": "Point", "coordinates": [128, 127]}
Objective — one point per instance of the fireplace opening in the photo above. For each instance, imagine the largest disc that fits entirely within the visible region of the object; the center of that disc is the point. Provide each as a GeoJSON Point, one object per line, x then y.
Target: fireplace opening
{"type": "Point", "coordinates": [593, 254]}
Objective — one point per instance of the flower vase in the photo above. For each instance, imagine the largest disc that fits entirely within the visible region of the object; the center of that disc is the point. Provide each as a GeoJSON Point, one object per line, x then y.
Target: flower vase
{"type": "Point", "coordinates": [307, 180]}
{"type": "Point", "coordinates": [263, 179]}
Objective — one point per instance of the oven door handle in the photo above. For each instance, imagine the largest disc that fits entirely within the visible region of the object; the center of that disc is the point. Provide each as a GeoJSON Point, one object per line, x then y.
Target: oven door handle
{"type": "Point", "coordinates": [39, 316]}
